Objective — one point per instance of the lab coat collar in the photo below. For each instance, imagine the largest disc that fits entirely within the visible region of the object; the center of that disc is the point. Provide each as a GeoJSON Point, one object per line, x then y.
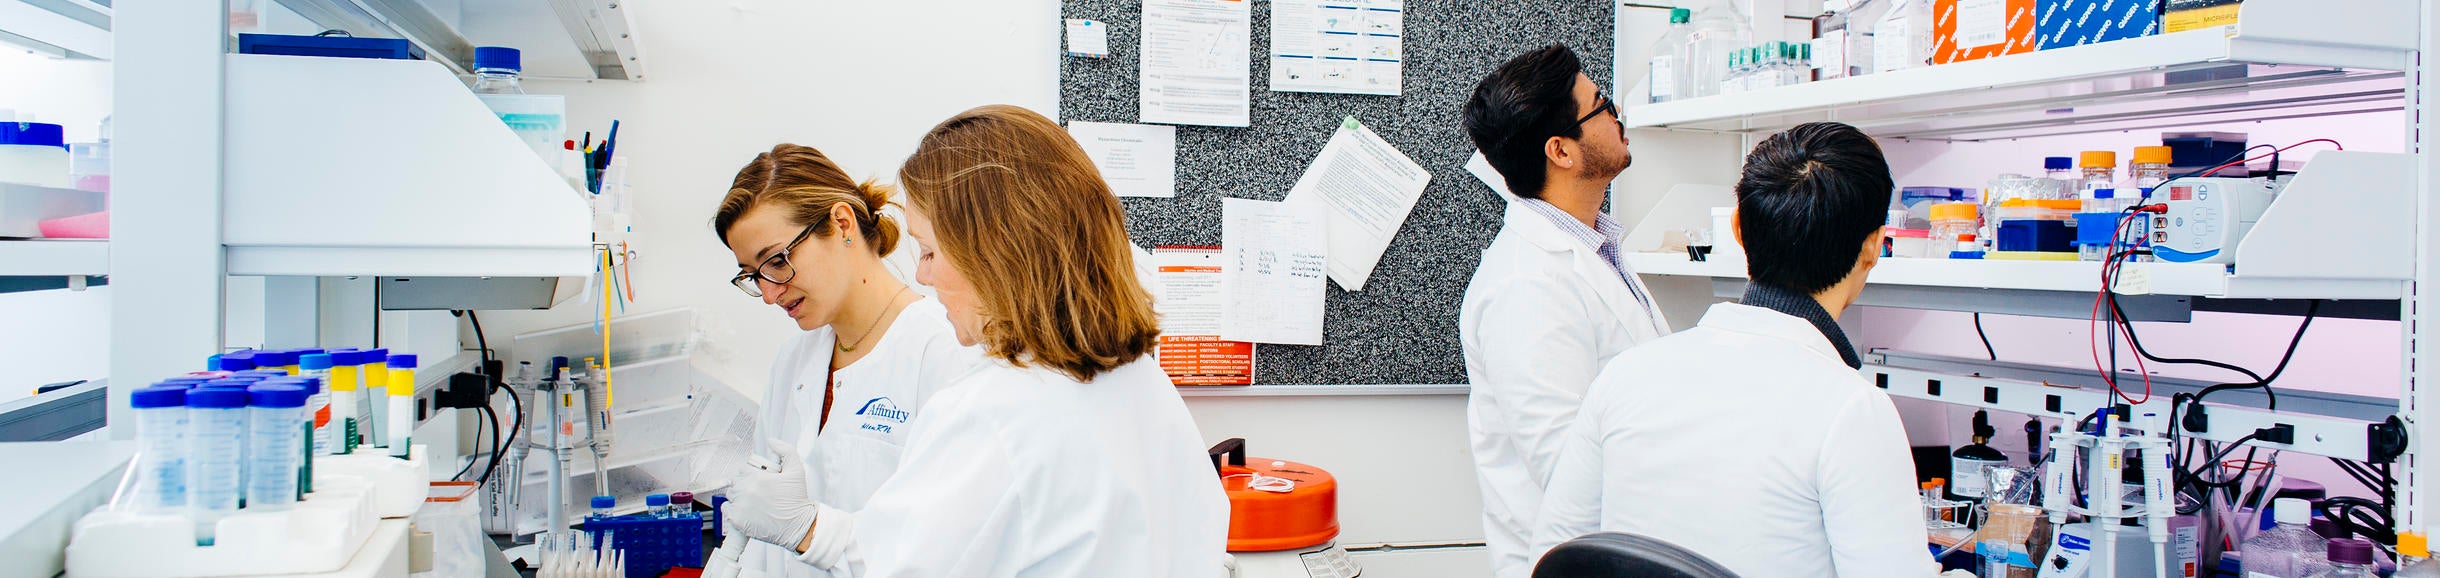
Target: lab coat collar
{"type": "Point", "coordinates": [1794, 311]}
{"type": "Point", "coordinates": [1540, 232]}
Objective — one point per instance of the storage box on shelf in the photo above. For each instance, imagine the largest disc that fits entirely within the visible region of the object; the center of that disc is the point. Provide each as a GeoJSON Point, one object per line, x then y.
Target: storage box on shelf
{"type": "Point", "coordinates": [2286, 58]}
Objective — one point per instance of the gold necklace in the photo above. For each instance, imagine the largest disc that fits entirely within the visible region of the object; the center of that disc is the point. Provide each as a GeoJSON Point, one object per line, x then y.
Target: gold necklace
{"type": "Point", "coordinates": [875, 324]}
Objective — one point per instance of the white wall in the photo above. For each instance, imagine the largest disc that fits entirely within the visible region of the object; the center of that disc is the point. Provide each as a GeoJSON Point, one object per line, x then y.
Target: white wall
{"type": "Point", "coordinates": [726, 80]}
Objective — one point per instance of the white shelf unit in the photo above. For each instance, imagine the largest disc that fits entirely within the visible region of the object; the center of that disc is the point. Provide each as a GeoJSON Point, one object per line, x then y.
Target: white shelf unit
{"type": "Point", "coordinates": [54, 258]}
{"type": "Point", "coordinates": [587, 39]}
{"type": "Point", "coordinates": [324, 174]}
{"type": "Point", "coordinates": [2286, 59]}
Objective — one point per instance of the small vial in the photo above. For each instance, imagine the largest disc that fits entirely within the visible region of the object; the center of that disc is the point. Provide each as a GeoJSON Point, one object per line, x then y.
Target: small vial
{"type": "Point", "coordinates": [285, 361]}
{"type": "Point", "coordinates": [307, 431]}
{"type": "Point", "coordinates": [161, 431]}
{"type": "Point", "coordinates": [317, 366]}
{"type": "Point", "coordinates": [602, 505]}
{"type": "Point", "coordinates": [216, 420]}
{"type": "Point", "coordinates": [274, 445]}
{"type": "Point", "coordinates": [658, 504]}
{"type": "Point", "coordinates": [232, 361]}
{"type": "Point", "coordinates": [375, 381]}
{"type": "Point", "coordinates": [347, 414]}
{"type": "Point", "coordinates": [402, 404]}
{"type": "Point", "coordinates": [682, 504]}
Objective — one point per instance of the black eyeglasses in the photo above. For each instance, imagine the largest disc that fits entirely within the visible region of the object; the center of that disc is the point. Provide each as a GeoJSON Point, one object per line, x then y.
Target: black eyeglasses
{"type": "Point", "coordinates": [774, 269]}
{"type": "Point", "coordinates": [1605, 106]}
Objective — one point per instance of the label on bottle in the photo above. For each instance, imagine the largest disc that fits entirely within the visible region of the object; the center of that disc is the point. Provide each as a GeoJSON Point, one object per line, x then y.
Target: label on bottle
{"type": "Point", "coordinates": [1890, 45]}
{"type": "Point", "coordinates": [1967, 478]}
{"type": "Point", "coordinates": [1830, 52]}
{"type": "Point", "coordinates": [1664, 78]}
{"type": "Point", "coordinates": [1981, 23]}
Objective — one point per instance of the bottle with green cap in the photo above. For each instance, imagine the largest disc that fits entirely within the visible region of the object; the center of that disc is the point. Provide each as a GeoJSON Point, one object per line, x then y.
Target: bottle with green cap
{"type": "Point", "coordinates": [1669, 58]}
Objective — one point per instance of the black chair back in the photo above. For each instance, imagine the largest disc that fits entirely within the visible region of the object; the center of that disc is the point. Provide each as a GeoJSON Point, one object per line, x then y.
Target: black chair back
{"type": "Point", "coordinates": [1620, 555]}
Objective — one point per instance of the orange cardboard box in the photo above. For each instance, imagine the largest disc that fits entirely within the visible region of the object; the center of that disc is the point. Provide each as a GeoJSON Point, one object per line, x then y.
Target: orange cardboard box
{"type": "Point", "coordinates": [1970, 29]}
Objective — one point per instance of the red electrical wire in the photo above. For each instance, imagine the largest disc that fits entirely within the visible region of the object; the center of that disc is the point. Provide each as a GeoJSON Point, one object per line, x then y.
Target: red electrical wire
{"type": "Point", "coordinates": [2109, 268]}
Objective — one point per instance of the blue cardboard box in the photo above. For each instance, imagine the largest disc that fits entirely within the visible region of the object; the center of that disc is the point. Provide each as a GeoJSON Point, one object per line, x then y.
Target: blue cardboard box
{"type": "Point", "coordinates": [2064, 23]}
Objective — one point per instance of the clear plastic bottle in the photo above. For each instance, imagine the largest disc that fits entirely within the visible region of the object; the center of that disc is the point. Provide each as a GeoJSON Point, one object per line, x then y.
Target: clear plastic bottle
{"type": "Point", "coordinates": [1800, 65]}
{"type": "Point", "coordinates": [1829, 45]}
{"type": "Point", "coordinates": [161, 430]}
{"type": "Point", "coordinates": [657, 504]}
{"type": "Point", "coordinates": [1902, 39]}
{"type": "Point", "coordinates": [216, 426]}
{"type": "Point", "coordinates": [2414, 557]}
{"type": "Point", "coordinates": [2149, 168]}
{"type": "Point", "coordinates": [1862, 16]}
{"type": "Point", "coordinates": [274, 445]}
{"type": "Point", "coordinates": [496, 70]}
{"type": "Point", "coordinates": [1716, 32]}
{"type": "Point", "coordinates": [2283, 552]}
{"type": "Point", "coordinates": [346, 402]}
{"type": "Point", "coordinates": [1734, 81]}
{"type": "Point", "coordinates": [2348, 558]}
{"type": "Point", "coordinates": [304, 427]}
{"type": "Point", "coordinates": [681, 504]}
{"type": "Point", "coordinates": [602, 505]}
{"type": "Point", "coordinates": [1669, 58]}
{"type": "Point", "coordinates": [2100, 170]}
{"type": "Point", "coordinates": [318, 366]}
{"type": "Point", "coordinates": [2060, 171]}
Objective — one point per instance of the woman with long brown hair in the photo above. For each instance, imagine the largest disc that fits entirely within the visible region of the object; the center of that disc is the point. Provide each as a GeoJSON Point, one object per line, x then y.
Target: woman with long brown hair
{"type": "Point", "coordinates": [1067, 453]}
{"type": "Point", "coordinates": [810, 240]}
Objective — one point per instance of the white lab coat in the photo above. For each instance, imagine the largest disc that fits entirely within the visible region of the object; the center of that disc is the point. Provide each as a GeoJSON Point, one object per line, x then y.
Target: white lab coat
{"type": "Point", "coordinates": [1025, 472]}
{"type": "Point", "coordinates": [1746, 439]}
{"type": "Point", "coordinates": [1541, 317]}
{"type": "Point", "coordinates": [878, 399]}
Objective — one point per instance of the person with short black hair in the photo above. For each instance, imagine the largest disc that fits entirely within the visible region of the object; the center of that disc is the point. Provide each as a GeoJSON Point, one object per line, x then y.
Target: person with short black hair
{"type": "Point", "coordinates": [1553, 299]}
{"type": "Point", "coordinates": [1751, 438]}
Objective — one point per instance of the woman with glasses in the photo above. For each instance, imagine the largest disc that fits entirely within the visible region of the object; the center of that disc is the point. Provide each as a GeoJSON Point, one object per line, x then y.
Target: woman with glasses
{"type": "Point", "coordinates": [843, 393]}
{"type": "Point", "coordinates": [1067, 453]}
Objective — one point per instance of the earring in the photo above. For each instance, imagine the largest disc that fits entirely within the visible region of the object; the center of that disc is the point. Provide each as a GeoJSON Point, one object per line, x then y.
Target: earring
{"type": "Point", "coordinates": [851, 242]}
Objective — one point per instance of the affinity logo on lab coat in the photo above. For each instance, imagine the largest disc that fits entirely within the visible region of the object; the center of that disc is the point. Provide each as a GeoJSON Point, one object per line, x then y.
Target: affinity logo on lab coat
{"type": "Point", "coordinates": [880, 409]}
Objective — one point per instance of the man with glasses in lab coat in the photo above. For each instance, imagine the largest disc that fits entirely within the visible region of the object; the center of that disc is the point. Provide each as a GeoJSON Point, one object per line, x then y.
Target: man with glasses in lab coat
{"type": "Point", "coordinates": [1552, 300]}
{"type": "Point", "coordinates": [1751, 438]}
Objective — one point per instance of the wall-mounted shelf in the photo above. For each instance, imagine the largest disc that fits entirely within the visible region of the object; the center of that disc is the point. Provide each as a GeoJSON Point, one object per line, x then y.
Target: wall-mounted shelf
{"type": "Point", "coordinates": [38, 264]}
{"type": "Point", "coordinates": [58, 28]}
{"type": "Point", "coordinates": [2289, 59]}
{"type": "Point", "coordinates": [436, 186]}
{"type": "Point", "coordinates": [587, 39]}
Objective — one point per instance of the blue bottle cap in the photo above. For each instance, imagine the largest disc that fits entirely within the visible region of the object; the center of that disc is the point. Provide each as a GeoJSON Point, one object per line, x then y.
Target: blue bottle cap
{"type": "Point", "coordinates": [2058, 163]}
{"type": "Point", "coordinates": [2105, 193]}
{"type": "Point", "coordinates": [375, 355]}
{"type": "Point", "coordinates": [346, 357]}
{"type": "Point", "coordinates": [315, 361]}
{"type": "Point", "coordinates": [237, 382]}
{"type": "Point", "coordinates": [312, 385]}
{"type": "Point", "coordinates": [158, 396]}
{"type": "Point", "coordinates": [262, 373]}
{"type": "Point", "coordinates": [217, 397]}
{"type": "Point", "coordinates": [186, 379]}
{"type": "Point", "coordinates": [302, 352]}
{"type": "Point", "coordinates": [499, 57]}
{"type": "Point", "coordinates": [236, 361]}
{"type": "Point", "coordinates": [402, 361]}
{"type": "Point", "coordinates": [212, 363]}
{"type": "Point", "coordinates": [33, 134]}
{"type": "Point", "coordinates": [275, 358]}
{"type": "Point", "coordinates": [276, 395]}
{"type": "Point", "coordinates": [656, 500]}
{"type": "Point", "coordinates": [605, 502]}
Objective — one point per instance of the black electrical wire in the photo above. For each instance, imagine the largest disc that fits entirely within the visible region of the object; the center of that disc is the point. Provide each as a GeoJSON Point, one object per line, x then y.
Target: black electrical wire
{"type": "Point", "coordinates": [508, 443]}
{"type": "Point", "coordinates": [495, 441]}
{"type": "Point", "coordinates": [2311, 310]}
{"type": "Point", "coordinates": [1986, 337]}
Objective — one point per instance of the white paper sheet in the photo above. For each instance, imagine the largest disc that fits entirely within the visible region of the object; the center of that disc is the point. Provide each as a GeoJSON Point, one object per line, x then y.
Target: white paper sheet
{"type": "Point", "coordinates": [1192, 307]}
{"type": "Point", "coordinates": [1340, 46]}
{"type": "Point", "coordinates": [1367, 187]}
{"type": "Point", "coordinates": [1275, 257]}
{"type": "Point", "coordinates": [1088, 38]}
{"type": "Point", "coordinates": [1480, 167]}
{"type": "Point", "coordinates": [1196, 62]}
{"type": "Point", "coordinates": [1138, 160]}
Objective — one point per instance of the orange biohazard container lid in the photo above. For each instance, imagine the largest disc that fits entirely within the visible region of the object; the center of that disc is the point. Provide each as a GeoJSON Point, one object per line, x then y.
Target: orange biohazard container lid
{"type": "Point", "coordinates": [1954, 212]}
{"type": "Point", "coordinates": [1275, 504]}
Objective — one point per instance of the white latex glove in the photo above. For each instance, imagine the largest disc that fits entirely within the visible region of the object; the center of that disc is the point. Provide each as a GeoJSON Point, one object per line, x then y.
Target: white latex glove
{"type": "Point", "coordinates": [773, 506]}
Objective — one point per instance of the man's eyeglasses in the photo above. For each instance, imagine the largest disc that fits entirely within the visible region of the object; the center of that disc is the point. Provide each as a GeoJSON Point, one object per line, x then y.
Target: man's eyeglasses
{"type": "Point", "coordinates": [774, 269]}
{"type": "Point", "coordinates": [1605, 106]}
